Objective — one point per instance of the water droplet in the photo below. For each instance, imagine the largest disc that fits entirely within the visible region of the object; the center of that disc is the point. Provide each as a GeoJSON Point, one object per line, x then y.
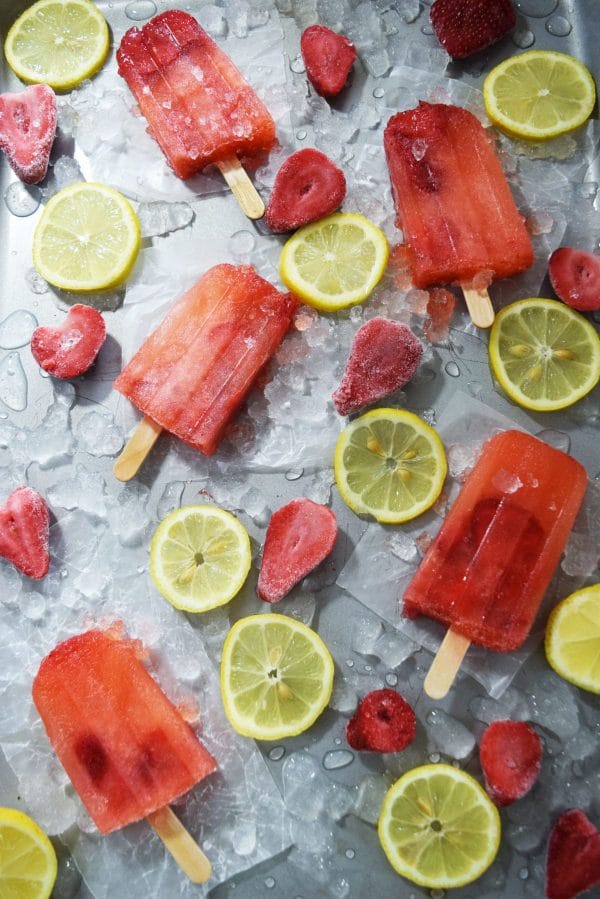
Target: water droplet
{"type": "Point", "coordinates": [36, 283]}
{"type": "Point", "coordinates": [16, 329]}
{"type": "Point", "coordinates": [558, 26]}
{"type": "Point", "coordinates": [378, 93]}
{"type": "Point", "coordinates": [242, 243]}
{"type": "Point", "coordinates": [524, 873]}
{"type": "Point", "coordinates": [301, 135]}
{"type": "Point", "coordinates": [293, 474]}
{"type": "Point", "coordinates": [452, 369]}
{"type": "Point", "coordinates": [140, 10]}
{"type": "Point", "coordinates": [391, 679]}
{"type": "Point", "coordinates": [349, 663]}
{"type": "Point", "coordinates": [270, 882]}
{"type": "Point", "coordinates": [539, 9]}
{"type": "Point", "coordinates": [350, 853]}
{"type": "Point", "coordinates": [523, 38]}
{"type": "Point", "coordinates": [434, 758]}
{"type": "Point", "coordinates": [297, 65]}
{"type": "Point", "coordinates": [276, 753]}
{"type": "Point", "coordinates": [427, 29]}
{"type": "Point", "coordinates": [475, 388]}
{"type": "Point", "coordinates": [21, 199]}
{"type": "Point", "coordinates": [13, 383]}
{"type": "Point", "coordinates": [337, 758]}
{"type": "Point", "coordinates": [558, 439]}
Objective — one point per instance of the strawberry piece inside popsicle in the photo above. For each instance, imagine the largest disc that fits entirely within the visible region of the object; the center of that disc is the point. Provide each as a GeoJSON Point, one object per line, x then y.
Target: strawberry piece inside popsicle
{"type": "Point", "coordinates": [308, 186]}
{"type": "Point", "coordinates": [573, 864]}
{"type": "Point", "coordinates": [70, 349]}
{"type": "Point", "coordinates": [27, 130]}
{"type": "Point", "coordinates": [328, 58]}
{"type": "Point", "coordinates": [511, 758]}
{"type": "Point", "coordinates": [24, 532]}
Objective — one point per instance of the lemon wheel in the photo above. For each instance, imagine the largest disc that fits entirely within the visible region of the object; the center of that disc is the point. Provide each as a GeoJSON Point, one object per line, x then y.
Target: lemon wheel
{"type": "Point", "coordinates": [572, 640]}
{"type": "Point", "coordinates": [27, 858]}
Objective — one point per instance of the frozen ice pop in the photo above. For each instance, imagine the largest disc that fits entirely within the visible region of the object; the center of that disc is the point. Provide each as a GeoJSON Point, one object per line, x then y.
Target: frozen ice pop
{"type": "Point", "coordinates": [195, 370]}
{"type": "Point", "coordinates": [452, 200]}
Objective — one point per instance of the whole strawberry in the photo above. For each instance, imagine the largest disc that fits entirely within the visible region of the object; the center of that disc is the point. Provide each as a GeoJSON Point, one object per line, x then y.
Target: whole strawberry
{"type": "Point", "coordinates": [466, 26]}
{"type": "Point", "coordinates": [573, 864]}
{"type": "Point", "coordinates": [383, 722]}
{"type": "Point", "coordinates": [575, 277]}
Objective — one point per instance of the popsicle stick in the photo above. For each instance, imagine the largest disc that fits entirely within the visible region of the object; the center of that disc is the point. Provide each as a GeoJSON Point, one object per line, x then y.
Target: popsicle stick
{"type": "Point", "coordinates": [136, 449]}
{"type": "Point", "coordinates": [242, 187]}
{"type": "Point", "coordinates": [182, 846]}
{"type": "Point", "coordinates": [479, 306]}
{"type": "Point", "coordinates": [444, 669]}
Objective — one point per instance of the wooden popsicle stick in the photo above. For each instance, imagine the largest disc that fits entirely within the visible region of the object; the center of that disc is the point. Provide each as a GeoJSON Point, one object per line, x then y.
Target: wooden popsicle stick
{"type": "Point", "coordinates": [242, 187]}
{"type": "Point", "coordinates": [136, 449]}
{"type": "Point", "coordinates": [479, 306]}
{"type": "Point", "coordinates": [182, 846]}
{"type": "Point", "coordinates": [444, 668]}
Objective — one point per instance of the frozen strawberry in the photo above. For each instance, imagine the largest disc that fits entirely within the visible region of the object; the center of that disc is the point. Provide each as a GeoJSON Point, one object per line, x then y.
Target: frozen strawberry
{"type": "Point", "coordinates": [70, 349]}
{"type": "Point", "coordinates": [575, 277]}
{"type": "Point", "coordinates": [307, 187]}
{"type": "Point", "coordinates": [573, 864]}
{"type": "Point", "coordinates": [300, 535]}
{"type": "Point", "coordinates": [328, 57]}
{"type": "Point", "coordinates": [24, 527]}
{"type": "Point", "coordinates": [511, 758]}
{"type": "Point", "coordinates": [383, 722]}
{"type": "Point", "coordinates": [440, 309]}
{"type": "Point", "coordinates": [466, 26]}
{"type": "Point", "coordinates": [384, 356]}
{"type": "Point", "coordinates": [27, 129]}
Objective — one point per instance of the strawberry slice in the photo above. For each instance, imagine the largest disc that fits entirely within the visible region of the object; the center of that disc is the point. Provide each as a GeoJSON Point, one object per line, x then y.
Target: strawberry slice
{"type": "Point", "coordinates": [573, 864]}
{"type": "Point", "coordinates": [383, 722]}
{"type": "Point", "coordinates": [27, 129]}
{"type": "Point", "coordinates": [575, 277]}
{"type": "Point", "coordinates": [300, 535]}
{"type": "Point", "coordinates": [70, 349]}
{"type": "Point", "coordinates": [511, 758]}
{"type": "Point", "coordinates": [328, 58]}
{"type": "Point", "coordinates": [307, 187]}
{"type": "Point", "coordinates": [384, 356]}
{"type": "Point", "coordinates": [24, 532]}
{"type": "Point", "coordinates": [466, 26]}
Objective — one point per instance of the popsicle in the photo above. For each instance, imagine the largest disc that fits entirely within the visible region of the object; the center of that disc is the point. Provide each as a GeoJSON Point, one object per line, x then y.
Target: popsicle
{"type": "Point", "coordinates": [195, 370]}
{"type": "Point", "coordinates": [486, 572]}
{"type": "Point", "coordinates": [127, 750]}
{"type": "Point", "coordinates": [197, 104]}
{"type": "Point", "coordinates": [453, 203]}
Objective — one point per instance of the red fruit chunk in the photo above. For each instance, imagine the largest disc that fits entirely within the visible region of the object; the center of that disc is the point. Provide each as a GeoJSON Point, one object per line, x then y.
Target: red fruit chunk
{"type": "Point", "coordinates": [466, 26]}
{"type": "Point", "coordinates": [383, 722]}
{"type": "Point", "coordinates": [27, 129]}
{"type": "Point", "coordinates": [24, 530]}
{"type": "Point", "coordinates": [307, 187]}
{"type": "Point", "coordinates": [575, 277]}
{"type": "Point", "coordinates": [384, 356]}
{"type": "Point", "coordinates": [440, 309]}
{"type": "Point", "coordinates": [328, 57]}
{"type": "Point", "coordinates": [511, 758]}
{"type": "Point", "coordinates": [70, 349]}
{"type": "Point", "coordinates": [573, 864]}
{"type": "Point", "coordinates": [300, 535]}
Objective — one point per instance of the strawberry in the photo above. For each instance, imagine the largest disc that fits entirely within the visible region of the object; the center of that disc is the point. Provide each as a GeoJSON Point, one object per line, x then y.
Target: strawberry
{"type": "Point", "coordinates": [465, 26]}
{"type": "Point", "coordinates": [328, 58]}
{"type": "Point", "coordinates": [24, 529]}
{"type": "Point", "coordinates": [307, 187]}
{"type": "Point", "coordinates": [300, 535]}
{"type": "Point", "coordinates": [70, 349]}
{"type": "Point", "coordinates": [383, 722]}
{"type": "Point", "coordinates": [575, 277]}
{"type": "Point", "coordinates": [383, 357]}
{"type": "Point", "coordinates": [573, 864]}
{"type": "Point", "coordinates": [511, 758]}
{"type": "Point", "coordinates": [27, 129]}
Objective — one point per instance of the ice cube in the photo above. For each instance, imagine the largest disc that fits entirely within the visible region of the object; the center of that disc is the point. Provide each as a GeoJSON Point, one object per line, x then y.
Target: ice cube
{"type": "Point", "coordinates": [581, 555]}
{"type": "Point", "coordinates": [449, 735]}
{"type": "Point", "coordinates": [98, 435]}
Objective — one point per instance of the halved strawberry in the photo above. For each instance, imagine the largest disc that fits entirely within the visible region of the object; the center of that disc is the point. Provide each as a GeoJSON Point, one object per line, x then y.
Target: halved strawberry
{"type": "Point", "coordinates": [575, 277]}
{"type": "Point", "coordinates": [307, 187]}
{"type": "Point", "coordinates": [27, 129]}
{"type": "Point", "coordinates": [328, 58]}
{"type": "Point", "coordinates": [573, 864]}
{"type": "Point", "coordinates": [466, 26]}
{"type": "Point", "coordinates": [511, 757]}
{"type": "Point", "coordinates": [24, 532]}
{"type": "Point", "coordinates": [383, 722]}
{"type": "Point", "coordinates": [68, 350]}
{"type": "Point", "coordinates": [383, 357]}
{"type": "Point", "coordinates": [299, 536]}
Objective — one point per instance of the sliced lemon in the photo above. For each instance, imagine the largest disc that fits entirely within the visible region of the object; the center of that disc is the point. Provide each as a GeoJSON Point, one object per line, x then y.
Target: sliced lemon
{"type": "Point", "coordinates": [390, 464]}
{"type": "Point", "coordinates": [276, 676]}
{"type": "Point", "coordinates": [573, 638]}
{"type": "Point", "coordinates": [199, 557]}
{"type": "Point", "coordinates": [58, 42]}
{"type": "Point", "coordinates": [27, 858]}
{"type": "Point", "coordinates": [87, 238]}
{"type": "Point", "coordinates": [438, 827]}
{"type": "Point", "coordinates": [539, 95]}
{"type": "Point", "coordinates": [335, 262]}
{"type": "Point", "coordinates": [544, 354]}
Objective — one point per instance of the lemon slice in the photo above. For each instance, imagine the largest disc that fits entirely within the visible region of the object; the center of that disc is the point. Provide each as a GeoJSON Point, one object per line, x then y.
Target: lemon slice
{"type": "Point", "coordinates": [276, 676]}
{"type": "Point", "coordinates": [87, 239]}
{"type": "Point", "coordinates": [390, 464]}
{"type": "Point", "coordinates": [438, 827]}
{"type": "Point", "coordinates": [539, 95]}
{"type": "Point", "coordinates": [335, 262]}
{"type": "Point", "coordinates": [544, 355]}
{"type": "Point", "coordinates": [27, 858]}
{"type": "Point", "coordinates": [573, 638]}
{"type": "Point", "coordinates": [199, 557]}
{"type": "Point", "coordinates": [58, 42]}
